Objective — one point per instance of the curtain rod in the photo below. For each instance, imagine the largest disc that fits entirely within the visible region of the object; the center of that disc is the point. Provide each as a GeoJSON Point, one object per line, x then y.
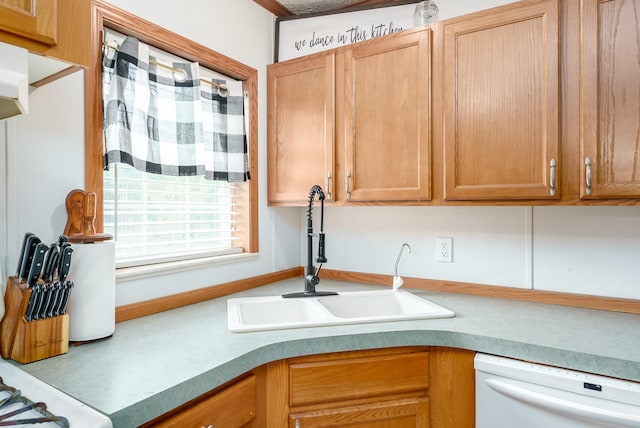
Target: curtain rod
{"type": "Point", "coordinates": [222, 89]}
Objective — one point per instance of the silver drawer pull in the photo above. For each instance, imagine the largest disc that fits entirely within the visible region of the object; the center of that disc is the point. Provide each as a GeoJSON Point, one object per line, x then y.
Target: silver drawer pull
{"type": "Point", "coordinates": [552, 177]}
{"type": "Point", "coordinates": [587, 173]}
{"type": "Point", "coordinates": [327, 185]}
{"type": "Point", "coordinates": [347, 185]}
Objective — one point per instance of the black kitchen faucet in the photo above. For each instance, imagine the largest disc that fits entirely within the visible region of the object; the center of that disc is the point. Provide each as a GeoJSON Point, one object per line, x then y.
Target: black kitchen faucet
{"type": "Point", "coordinates": [311, 278]}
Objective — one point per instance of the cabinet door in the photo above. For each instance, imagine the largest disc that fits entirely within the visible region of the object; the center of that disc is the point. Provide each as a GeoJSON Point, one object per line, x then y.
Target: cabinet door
{"type": "Point", "coordinates": [233, 407]}
{"type": "Point", "coordinates": [300, 128]}
{"type": "Point", "coordinates": [500, 101]}
{"type": "Point", "coordinates": [33, 19]}
{"type": "Point", "coordinates": [610, 102]}
{"type": "Point", "coordinates": [388, 119]}
{"type": "Point", "coordinates": [410, 413]}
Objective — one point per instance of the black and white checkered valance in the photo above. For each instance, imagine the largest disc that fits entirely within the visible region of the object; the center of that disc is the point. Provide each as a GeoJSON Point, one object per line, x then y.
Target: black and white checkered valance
{"type": "Point", "coordinates": [161, 124]}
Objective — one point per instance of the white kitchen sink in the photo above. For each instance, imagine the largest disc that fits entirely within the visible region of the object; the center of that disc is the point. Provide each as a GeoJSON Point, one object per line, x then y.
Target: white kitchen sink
{"type": "Point", "coordinates": [276, 312]}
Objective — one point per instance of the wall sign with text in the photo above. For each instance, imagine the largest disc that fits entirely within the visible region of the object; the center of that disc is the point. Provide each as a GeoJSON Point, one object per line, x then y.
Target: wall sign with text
{"type": "Point", "coordinates": [304, 36]}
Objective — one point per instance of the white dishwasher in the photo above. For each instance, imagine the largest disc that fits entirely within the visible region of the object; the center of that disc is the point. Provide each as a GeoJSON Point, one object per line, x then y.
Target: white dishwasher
{"type": "Point", "coordinates": [512, 393]}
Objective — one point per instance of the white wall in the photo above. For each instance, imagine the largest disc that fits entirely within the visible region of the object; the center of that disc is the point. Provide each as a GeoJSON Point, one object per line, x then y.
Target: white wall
{"type": "Point", "coordinates": [45, 148]}
{"type": "Point", "coordinates": [590, 250]}
{"type": "Point", "coordinates": [576, 249]}
{"type": "Point", "coordinates": [45, 160]}
{"type": "Point", "coordinates": [489, 244]}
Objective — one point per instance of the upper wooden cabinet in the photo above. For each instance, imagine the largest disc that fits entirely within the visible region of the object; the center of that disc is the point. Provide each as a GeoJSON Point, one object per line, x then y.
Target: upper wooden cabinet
{"type": "Point", "coordinates": [301, 136]}
{"type": "Point", "coordinates": [500, 103]}
{"type": "Point", "coordinates": [33, 19]}
{"type": "Point", "coordinates": [533, 102]}
{"type": "Point", "coordinates": [387, 126]}
{"type": "Point", "coordinates": [59, 29]}
{"type": "Point", "coordinates": [610, 99]}
{"type": "Point", "coordinates": [354, 120]}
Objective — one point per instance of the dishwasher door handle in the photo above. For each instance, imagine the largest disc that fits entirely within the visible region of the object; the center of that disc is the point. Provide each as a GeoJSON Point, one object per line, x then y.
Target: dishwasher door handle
{"type": "Point", "coordinates": [549, 401]}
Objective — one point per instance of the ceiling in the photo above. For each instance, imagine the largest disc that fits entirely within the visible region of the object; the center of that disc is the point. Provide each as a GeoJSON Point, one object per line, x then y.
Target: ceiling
{"type": "Point", "coordinates": [287, 8]}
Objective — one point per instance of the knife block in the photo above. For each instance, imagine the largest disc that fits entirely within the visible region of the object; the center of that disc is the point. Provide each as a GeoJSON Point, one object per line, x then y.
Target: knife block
{"type": "Point", "coordinates": [27, 341]}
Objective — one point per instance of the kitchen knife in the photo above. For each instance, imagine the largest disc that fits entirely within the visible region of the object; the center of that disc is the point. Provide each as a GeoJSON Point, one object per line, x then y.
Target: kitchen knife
{"type": "Point", "coordinates": [51, 262]}
{"type": "Point", "coordinates": [62, 248]}
{"type": "Point", "coordinates": [33, 300]}
{"type": "Point", "coordinates": [55, 295]}
{"type": "Point", "coordinates": [46, 301]}
{"type": "Point", "coordinates": [32, 243]}
{"type": "Point", "coordinates": [65, 299]}
{"type": "Point", "coordinates": [65, 263]}
{"type": "Point", "coordinates": [57, 307]}
{"type": "Point", "coordinates": [36, 264]}
{"type": "Point", "coordinates": [23, 249]}
{"type": "Point", "coordinates": [37, 308]}
{"type": "Point", "coordinates": [62, 239]}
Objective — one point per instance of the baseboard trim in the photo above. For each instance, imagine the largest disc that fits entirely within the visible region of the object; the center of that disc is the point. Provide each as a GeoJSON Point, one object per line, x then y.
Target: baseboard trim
{"type": "Point", "coordinates": [538, 296]}
{"type": "Point", "coordinates": [135, 310]}
{"type": "Point", "coordinates": [148, 307]}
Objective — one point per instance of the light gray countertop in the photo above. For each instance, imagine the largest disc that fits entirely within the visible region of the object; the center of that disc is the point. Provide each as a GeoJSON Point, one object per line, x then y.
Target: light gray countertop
{"type": "Point", "coordinates": [155, 363]}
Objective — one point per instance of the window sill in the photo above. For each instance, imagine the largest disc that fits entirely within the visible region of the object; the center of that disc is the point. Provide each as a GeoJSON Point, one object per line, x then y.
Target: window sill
{"type": "Point", "coordinates": [139, 272]}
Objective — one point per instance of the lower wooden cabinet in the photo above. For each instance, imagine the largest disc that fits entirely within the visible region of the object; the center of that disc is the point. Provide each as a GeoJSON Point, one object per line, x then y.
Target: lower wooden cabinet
{"type": "Point", "coordinates": [412, 387]}
{"type": "Point", "coordinates": [395, 388]}
{"type": "Point", "coordinates": [232, 407]}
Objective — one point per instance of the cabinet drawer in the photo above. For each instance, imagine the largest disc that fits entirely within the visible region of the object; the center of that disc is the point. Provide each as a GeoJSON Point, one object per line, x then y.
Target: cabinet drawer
{"type": "Point", "coordinates": [409, 413]}
{"type": "Point", "coordinates": [357, 377]}
{"type": "Point", "coordinates": [233, 407]}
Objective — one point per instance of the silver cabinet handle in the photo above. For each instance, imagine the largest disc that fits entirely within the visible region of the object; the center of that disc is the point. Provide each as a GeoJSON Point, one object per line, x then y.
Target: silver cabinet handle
{"type": "Point", "coordinates": [552, 177]}
{"type": "Point", "coordinates": [347, 185]}
{"type": "Point", "coordinates": [297, 423]}
{"type": "Point", "coordinates": [327, 185]}
{"type": "Point", "coordinates": [587, 173]}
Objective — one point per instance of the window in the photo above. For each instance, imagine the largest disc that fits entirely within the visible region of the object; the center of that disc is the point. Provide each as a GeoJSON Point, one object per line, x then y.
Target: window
{"type": "Point", "coordinates": [177, 218]}
{"type": "Point", "coordinates": [169, 216]}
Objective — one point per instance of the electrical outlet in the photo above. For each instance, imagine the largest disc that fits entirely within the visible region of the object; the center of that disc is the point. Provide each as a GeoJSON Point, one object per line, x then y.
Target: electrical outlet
{"type": "Point", "coordinates": [444, 250]}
